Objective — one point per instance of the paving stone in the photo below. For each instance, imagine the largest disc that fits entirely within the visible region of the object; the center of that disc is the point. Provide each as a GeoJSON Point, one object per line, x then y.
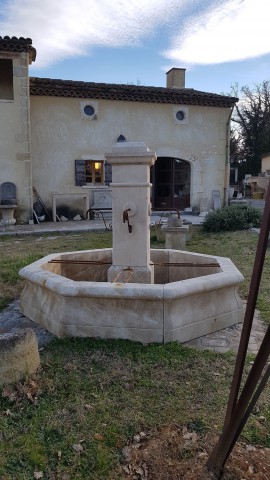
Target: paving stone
{"type": "Point", "coordinates": [221, 349]}
{"type": "Point", "coordinates": [215, 342]}
{"type": "Point", "coordinates": [12, 321]}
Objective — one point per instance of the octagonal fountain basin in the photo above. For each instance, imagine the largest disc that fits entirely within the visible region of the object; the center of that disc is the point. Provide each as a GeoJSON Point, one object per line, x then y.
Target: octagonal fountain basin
{"type": "Point", "coordinates": [192, 295]}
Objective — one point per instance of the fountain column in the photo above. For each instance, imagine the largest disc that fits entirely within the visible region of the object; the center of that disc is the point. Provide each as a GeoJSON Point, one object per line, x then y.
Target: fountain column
{"type": "Point", "coordinates": [131, 162]}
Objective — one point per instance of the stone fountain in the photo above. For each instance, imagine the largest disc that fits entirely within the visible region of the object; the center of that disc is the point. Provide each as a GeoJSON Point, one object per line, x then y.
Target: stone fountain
{"type": "Point", "coordinates": [132, 291]}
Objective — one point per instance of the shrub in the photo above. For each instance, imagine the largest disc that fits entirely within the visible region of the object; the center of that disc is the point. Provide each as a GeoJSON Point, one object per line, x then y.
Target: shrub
{"type": "Point", "coordinates": [233, 218]}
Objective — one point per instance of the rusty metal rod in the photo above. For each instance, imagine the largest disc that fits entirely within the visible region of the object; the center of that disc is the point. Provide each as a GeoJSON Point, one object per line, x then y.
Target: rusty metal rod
{"type": "Point", "coordinates": [167, 210]}
{"type": "Point", "coordinates": [243, 408]}
{"type": "Point", "coordinates": [165, 264]}
{"type": "Point", "coordinates": [238, 410]}
{"type": "Point", "coordinates": [250, 308]}
{"type": "Point", "coordinates": [251, 405]}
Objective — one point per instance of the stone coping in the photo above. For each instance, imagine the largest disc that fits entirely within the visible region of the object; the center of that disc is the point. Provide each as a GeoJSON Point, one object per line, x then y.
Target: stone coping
{"type": "Point", "coordinates": [36, 273]}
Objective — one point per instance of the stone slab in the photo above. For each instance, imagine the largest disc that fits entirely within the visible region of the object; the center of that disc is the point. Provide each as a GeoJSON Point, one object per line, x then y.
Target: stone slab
{"type": "Point", "coordinates": [102, 199]}
{"type": "Point", "coordinates": [8, 194]}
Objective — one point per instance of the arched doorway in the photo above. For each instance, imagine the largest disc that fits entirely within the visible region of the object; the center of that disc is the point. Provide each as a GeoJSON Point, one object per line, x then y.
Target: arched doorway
{"type": "Point", "coordinates": [171, 183]}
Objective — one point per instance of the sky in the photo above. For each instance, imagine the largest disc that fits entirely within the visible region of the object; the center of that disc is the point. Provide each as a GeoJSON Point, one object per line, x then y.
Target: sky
{"type": "Point", "coordinates": [219, 42]}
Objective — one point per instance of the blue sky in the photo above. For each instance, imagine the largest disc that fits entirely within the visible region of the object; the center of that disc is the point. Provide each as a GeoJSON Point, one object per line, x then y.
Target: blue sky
{"type": "Point", "coordinates": [219, 42]}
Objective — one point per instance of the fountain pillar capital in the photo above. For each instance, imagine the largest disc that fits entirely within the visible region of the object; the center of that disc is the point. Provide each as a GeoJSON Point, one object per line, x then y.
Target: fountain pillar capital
{"type": "Point", "coordinates": [131, 162]}
{"type": "Point", "coordinates": [131, 153]}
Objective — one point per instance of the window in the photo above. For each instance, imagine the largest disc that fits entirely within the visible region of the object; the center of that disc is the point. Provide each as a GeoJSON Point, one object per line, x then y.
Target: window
{"type": "Point", "coordinates": [89, 172]}
{"type": "Point", "coordinates": [93, 171]}
{"type": "Point", "coordinates": [89, 109]}
{"type": "Point", "coordinates": [6, 80]}
{"type": "Point", "coordinates": [180, 114]}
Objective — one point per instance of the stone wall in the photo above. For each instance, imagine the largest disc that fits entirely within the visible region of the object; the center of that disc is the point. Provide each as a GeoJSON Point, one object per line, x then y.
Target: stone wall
{"type": "Point", "coordinates": [15, 140]}
{"type": "Point", "coordinates": [60, 135]}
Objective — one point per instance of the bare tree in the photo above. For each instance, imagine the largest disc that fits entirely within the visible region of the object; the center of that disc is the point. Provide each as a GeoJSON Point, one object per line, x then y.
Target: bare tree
{"type": "Point", "coordinates": [250, 136]}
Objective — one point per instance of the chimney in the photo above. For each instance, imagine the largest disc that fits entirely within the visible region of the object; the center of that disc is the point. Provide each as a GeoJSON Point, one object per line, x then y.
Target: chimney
{"type": "Point", "coordinates": [176, 78]}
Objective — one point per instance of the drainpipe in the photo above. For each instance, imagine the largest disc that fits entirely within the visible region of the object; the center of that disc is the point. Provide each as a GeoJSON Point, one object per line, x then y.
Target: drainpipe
{"type": "Point", "coordinates": [30, 178]}
{"type": "Point", "coordinates": [227, 158]}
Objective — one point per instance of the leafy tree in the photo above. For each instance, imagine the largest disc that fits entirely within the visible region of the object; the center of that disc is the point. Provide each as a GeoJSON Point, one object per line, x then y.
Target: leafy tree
{"type": "Point", "coordinates": [250, 135]}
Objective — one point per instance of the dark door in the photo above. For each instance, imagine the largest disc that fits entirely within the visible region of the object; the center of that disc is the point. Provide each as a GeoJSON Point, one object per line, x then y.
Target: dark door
{"type": "Point", "coordinates": [171, 183]}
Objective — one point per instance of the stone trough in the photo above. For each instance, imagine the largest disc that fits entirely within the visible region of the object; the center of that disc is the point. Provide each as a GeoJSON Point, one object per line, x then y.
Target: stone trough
{"type": "Point", "coordinates": [75, 299]}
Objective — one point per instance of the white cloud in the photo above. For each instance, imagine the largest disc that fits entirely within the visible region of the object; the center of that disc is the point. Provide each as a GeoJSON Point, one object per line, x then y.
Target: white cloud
{"type": "Point", "coordinates": [212, 31]}
{"type": "Point", "coordinates": [69, 27]}
{"type": "Point", "coordinates": [236, 30]}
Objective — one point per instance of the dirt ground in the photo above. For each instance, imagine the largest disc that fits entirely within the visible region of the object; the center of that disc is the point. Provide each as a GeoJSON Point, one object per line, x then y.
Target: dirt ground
{"type": "Point", "coordinates": [176, 452]}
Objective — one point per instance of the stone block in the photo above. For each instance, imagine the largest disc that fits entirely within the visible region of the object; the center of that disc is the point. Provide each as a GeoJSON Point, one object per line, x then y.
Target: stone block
{"type": "Point", "coordinates": [175, 237]}
{"type": "Point", "coordinates": [21, 137]}
{"type": "Point", "coordinates": [23, 157]}
{"type": "Point", "coordinates": [24, 102]}
{"type": "Point", "coordinates": [118, 274]}
{"type": "Point", "coordinates": [19, 356]}
{"type": "Point", "coordinates": [17, 71]}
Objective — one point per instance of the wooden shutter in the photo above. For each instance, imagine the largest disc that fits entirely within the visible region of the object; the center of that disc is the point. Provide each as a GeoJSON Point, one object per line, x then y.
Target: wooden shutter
{"type": "Point", "coordinates": [107, 173]}
{"type": "Point", "coordinates": [80, 173]}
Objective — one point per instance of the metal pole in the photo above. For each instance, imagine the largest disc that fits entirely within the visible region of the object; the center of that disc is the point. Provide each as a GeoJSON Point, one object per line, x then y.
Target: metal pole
{"type": "Point", "coordinates": [250, 308]}
{"type": "Point", "coordinates": [242, 409]}
{"type": "Point", "coordinates": [238, 410]}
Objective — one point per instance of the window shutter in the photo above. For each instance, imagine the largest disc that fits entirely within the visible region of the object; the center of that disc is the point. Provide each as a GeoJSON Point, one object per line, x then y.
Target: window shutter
{"type": "Point", "coordinates": [107, 173]}
{"type": "Point", "coordinates": [80, 173]}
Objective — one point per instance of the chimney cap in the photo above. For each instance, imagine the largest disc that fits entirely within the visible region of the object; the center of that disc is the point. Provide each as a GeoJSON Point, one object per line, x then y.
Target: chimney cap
{"type": "Point", "coordinates": [175, 68]}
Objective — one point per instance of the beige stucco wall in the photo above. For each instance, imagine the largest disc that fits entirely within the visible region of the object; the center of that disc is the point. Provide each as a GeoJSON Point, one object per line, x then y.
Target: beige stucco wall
{"type": "Point", "coordinates": [265, 163]}
{"type": "Point", "coordinates": [60, 135]}
{"type": "Point", "coordinates": [15, 159]}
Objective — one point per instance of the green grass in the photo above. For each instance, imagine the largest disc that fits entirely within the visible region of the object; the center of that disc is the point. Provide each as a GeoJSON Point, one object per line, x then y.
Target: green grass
{"type": "Point", "coordinates": [98, 394]}
{"type": "Point", "coordinates": [240, 247]}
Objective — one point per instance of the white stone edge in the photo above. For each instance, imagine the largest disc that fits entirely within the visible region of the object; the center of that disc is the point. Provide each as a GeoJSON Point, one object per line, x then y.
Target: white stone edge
{"type": "Point", "coordinates": [56, 283]}
{"type": "Point", "coordinates": [35, 273]}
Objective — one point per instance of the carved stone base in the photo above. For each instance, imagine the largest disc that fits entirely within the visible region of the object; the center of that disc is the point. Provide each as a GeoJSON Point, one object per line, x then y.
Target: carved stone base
{"type": "Point", "coordinates": [7, 212]}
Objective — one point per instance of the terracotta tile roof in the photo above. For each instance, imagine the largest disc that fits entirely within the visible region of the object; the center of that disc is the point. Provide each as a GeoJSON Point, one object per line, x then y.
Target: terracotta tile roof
{"type": "Point", "coordinates": [131, 93]}
{"type": "Point", "coordinates": [14, 44]}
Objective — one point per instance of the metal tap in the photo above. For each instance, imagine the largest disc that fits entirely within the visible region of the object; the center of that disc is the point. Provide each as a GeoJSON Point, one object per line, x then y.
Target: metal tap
{"type": "Point", "coordinates": [126, 219]}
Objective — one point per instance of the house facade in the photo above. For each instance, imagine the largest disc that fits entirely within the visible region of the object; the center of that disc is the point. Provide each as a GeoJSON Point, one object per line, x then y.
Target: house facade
{"type": "Point", "coordinates": [54, 135]}
{"type": "Point", "coordinates": [265, 165]}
